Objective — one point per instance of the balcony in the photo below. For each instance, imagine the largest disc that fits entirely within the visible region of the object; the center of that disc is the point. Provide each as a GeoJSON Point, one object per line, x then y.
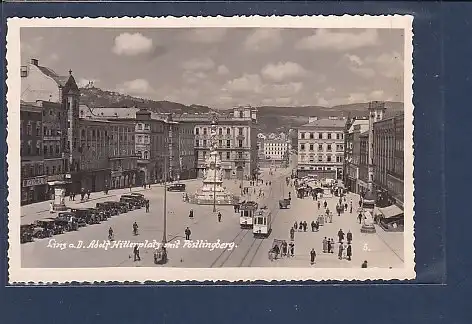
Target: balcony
{"type": "Point", "coordinates": [51, 138]}
{"type": "Point", "coordinates": [240, 158]}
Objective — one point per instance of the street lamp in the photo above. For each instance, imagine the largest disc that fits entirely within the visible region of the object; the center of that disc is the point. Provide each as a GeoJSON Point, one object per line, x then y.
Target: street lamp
{"type": "Point", "coordinates": [214, 188]}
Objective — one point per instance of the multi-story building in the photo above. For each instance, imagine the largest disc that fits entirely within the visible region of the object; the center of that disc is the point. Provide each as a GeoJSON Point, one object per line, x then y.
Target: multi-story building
{"type": "Point", "coordinates": [276, 151]}
{"type": "Point", "coordinates": [321, 148]}
{"type": "Point", "coordinates": [237, 141]}
{"type": "Point", "coordinates": [58, 97]}
{"type": "Point", "coordinates": [352, 151]}
{"type": "Point", "coordinates": [389, 159]}
{"type": "Point", "coordinates": [33, 179]}
{"type": "Point", "coordinates": [363, 164]}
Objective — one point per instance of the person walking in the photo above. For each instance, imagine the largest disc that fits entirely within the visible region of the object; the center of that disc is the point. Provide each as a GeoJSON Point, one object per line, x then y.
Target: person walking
{"type": "Point", "coordinates": [319, 205]}
{"type": "Point", "coordinates": [340, 252]}
{"type": "Point", "coordinates": [313, 224]}
{"type": "Point", "coordinates": [187, 233]}
{"type": "Point", "coordinates": [190, 214]}
{"type": "Point", "coordinates": [136, 253]}
{"type": "Point", "coordinates": [292, 249]}
{"type": "Point", "coordinates": [292, 234]}
{"type": "Point", "coordinates": [219, 217]}
{"type": "Point", "coordinates": [325, 204]}
{"type": "Point", "coordinates": [364, 265]}
{"type": "Point", "coordinates": [329, 246]}
{"type": "Point", "coordinates": [340, 235]}
{"type": "Point", "coordinates": [295, 226]}
{"type": "Point", "coordinates": [312, 256]}
{"type": "Point", "coordinates": [332, 246]}
{"type": "Point", "coordinates": [349, 252]}
{"type": "Point", "coordinates": [284, 248]}
{"type": "Point", "coordinates": [359, 217]}
{"type": "Point", "coordinates": [300, 227]}
{"type": "Point", "coordinates": [147, 206]}
{"type": "Point", "coordinates": [325, 245]}
{"type": "Point", "coordinates": [349, 237]}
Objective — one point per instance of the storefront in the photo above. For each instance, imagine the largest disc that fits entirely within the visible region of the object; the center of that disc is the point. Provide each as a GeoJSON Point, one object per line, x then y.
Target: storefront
{"type": "Point", "coordinates": [34, 190]}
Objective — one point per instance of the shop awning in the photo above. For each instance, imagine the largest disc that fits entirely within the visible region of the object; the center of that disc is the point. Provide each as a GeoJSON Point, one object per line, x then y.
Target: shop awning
{"type": "Point", "coordinates": [391, 211]}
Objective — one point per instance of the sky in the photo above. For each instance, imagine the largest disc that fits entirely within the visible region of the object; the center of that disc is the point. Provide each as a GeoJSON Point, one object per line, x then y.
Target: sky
{"type": "Point", "coordinates": [226, 67]}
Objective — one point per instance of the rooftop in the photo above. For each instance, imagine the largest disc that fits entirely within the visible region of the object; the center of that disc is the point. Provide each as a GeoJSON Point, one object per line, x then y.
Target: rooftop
{"type": "Point", "coordinates": [319, 123]}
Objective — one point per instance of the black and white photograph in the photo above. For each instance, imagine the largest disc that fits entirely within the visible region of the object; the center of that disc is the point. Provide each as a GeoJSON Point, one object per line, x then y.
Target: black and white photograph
{"type": "Point", "coordinates": [243, 148]}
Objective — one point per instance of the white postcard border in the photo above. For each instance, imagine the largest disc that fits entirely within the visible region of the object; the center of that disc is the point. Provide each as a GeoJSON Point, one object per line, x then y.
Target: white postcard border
{"type": "Point", "coordinates": [17, 274]}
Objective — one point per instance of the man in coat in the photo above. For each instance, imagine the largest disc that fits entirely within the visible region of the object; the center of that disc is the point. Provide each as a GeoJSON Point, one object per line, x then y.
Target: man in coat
{"type": "Point", "coordinates": [349, 252]}
{"type": "Point", "coordinates": [349, 237]}
{"type": "Point", "coordinates": [341, 235]}
{"type": "Point", "coordinates": [187, 233]}
{"type": "Point", "coordinates": [312, 256]}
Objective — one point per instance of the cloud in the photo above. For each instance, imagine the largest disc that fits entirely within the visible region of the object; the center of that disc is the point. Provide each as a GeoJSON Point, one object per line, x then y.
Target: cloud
{"type": "Point", "coordinates": [135, 87]}
{"type": "Point", "coordinates": [263, 40]}
{"type": "Point", "coordinates": [246, 83]}
{"type": "Point", "coordinates": [132, 44]}
{"type": "Point", "coordinates": [326, 39]}
{"type": "Point", "coordinates": [192, 77]}
{"type": "Point", "coordinates": [206, 35]}
{"type": "Point", "coordinates": [356, 65]}
{"type": "Point", "coordinates": [389, 65]}
{"type": "Point", "coordinates": [283, 71]}
{"type": "Point", "coordinates": [222, 70]}
{"type": "Point", "coordinates": [202, 64]}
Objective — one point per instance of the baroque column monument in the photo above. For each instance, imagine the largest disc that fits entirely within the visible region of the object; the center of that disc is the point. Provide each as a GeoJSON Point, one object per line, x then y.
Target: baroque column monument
{"type": "Point", "coordinates": [212, 190]}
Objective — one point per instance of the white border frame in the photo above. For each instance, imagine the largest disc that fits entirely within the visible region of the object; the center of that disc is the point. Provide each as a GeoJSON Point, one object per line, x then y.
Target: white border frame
{"type": "Point", "coordinates": [90, 275]}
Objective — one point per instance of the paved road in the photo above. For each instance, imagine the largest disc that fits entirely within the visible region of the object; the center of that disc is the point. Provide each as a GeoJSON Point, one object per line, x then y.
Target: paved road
{"type": "Point", "coordinates": [381, 249]}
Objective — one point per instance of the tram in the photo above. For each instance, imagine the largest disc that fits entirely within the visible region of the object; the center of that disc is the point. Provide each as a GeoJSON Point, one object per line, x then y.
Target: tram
{"type": "Point", "coordinates": [262, 223]}
{"type": "Point", "coordinates": [247, 209]}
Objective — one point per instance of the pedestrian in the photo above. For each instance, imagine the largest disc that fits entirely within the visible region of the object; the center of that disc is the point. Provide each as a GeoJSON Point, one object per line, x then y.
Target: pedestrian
{"type": "Point", "coordinates": [364, 264]}
{"type": "Point", "coordinates": [360, 202]}
{"type": "Point", "coordinates": [319, 205]}
{"type": "Point", "coordinates": [313, 224]}
{"type": "Point", "coordinates": [329, 246]}
{"type": "Point", "coordinates": [332, 245]}
{"type": "Point", "coordinates": [292, 249]}
{"type": "Point", "coordinates": [349, 237]}
{"type": "Point", "coordinates": [136, 253]}
{"type": "Point", "coordinates": [359, 217]}
{"type": "Point", "coordinates": [345, 207]}
{"type": "Point", "coordinates": [340, 235]}
{"type": "Point", "coordinates": [219, 217]}
{"type": "Point", "coordinates": [317, 225]}
{"type": "Point", "coordinates": [284, 248]}
{"type": "Point", "coordinates": [147, 206]}
{"type": "Point", "coordinates": [350, 209]}
{"type": "Point", "coordinates": [349, 252]}
{"type": "Point", "coordinates": [340, 252]}
{"type": "Point", "coordinates": [70, 196]}
{"type": "Point", "coordinates": [51, 207]}
{"type": "Point", "coordinates": [312, 256]}
{"type": "Point", "coordinates": [300, 227]}
{"type": "Point", "coordinates": [295, 226]}
{"type": "Point", "coordinates": [190, 214]}
{"type": "Point", "coordinates": [292, 234]}
{"type": "Point", "coordinates": [325, 245]}
{"type": "Point", "coordinates": [88, 194]}
{"type": "Point", "coordinates": [187, 233]}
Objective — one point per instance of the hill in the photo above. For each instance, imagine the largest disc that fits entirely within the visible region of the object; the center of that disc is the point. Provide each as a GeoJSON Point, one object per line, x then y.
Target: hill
{"type": "Point", "coordinates": [270, 118]}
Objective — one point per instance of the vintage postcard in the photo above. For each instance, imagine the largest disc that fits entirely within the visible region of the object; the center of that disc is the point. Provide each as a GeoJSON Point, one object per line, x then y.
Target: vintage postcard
{"type": "Point", "coordinates": [210, 149]}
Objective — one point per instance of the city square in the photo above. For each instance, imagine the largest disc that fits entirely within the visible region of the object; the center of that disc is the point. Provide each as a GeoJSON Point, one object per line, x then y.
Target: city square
{"type": "Point", "coordinates": [249, 167]}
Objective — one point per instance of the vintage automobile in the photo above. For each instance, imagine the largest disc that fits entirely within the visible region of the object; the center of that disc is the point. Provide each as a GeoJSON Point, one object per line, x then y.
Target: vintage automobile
{"type": "Point", "coordinates": [26, 233]}
{"type": "Point", "coordinates": [180, 187]}
{"type": "Point", "coordinates": [98, 214]}
{"type": "Point", "coordinates": [140, 197]}
{"type": "Point", "coordinates": [70, 221]}
{"type": "Point", "coordinates": [109, 207]}
{"type": "Point", "coordinates": [121, 207]}
{"type": "Point", "coordinates": [50, 226]}
{"type": "Point", "coordinates": [61, 225]}
{"type": "Point", "coordinates": [133, 201]}
{"type": "Point", "coordinates": [40, 232]}
{"type": "Point", "coordinates": [85, 215]}
{"type": "Point", "coordinates": [284, 203]}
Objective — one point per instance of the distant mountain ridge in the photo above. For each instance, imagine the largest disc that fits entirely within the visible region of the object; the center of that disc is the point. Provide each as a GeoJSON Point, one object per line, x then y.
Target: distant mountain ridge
{"type": "Point", "coordinates": [270, 118]}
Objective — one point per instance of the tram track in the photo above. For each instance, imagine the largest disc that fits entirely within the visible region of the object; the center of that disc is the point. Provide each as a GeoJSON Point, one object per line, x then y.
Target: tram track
{"type": "Point", "coordinates": [256, 243]}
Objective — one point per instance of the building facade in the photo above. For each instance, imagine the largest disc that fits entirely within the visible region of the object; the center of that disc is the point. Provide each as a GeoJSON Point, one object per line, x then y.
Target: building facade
{"type": "Point", "coordinates": [276, 152]}
{"type": "Point", "coordinates": [353, 129]}
{"type": "Point", "coordinates": [33, 179]}
{"type": "Point", "coordinates": [237, 142]}
{"type": "Point", "coordinates": [389, 159]}
{"type": "Point", "coordinates": [321, 148]}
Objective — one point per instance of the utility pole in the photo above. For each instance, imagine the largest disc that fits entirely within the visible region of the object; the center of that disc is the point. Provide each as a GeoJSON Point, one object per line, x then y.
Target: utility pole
{"type": "Point", "coordinates": [164, 236]}
{"type": "Point", "coordinates": [214, 189]}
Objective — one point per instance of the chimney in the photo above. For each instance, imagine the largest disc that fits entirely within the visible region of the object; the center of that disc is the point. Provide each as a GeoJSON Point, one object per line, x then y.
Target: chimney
{"type": "Point", "coordinates": [34, 61]}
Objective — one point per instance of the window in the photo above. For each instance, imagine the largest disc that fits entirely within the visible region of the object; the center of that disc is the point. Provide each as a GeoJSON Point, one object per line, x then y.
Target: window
{"type": "Point", "coordinates": [320, 147]}
{"type": "Point", "coordinates": [240, 131]}
{"type": "Point", "coordinates": [57, 149]}
{"type": "Point", "coordinates": [228, 131]}
{"type": "Point", "coordinates": [329, 135]}
{"type": "Point", "coordinates": [302, 135]}
{"type": "Point", "coordinates": [328, 158]}
{"type": "Point", "coordinates": [302, 147]}
{"type": "Point", "coordinates": [204, 131]}
{"type": "Point", "coordinates": [228, 143]}
{"type": "Point", "coordinates": [138, 153]}
{"type": "Point", "coordinates": [228, 155]}
{"type": "Point", "coordinates": [197, 131]}
{"type": "Point", "coordinates": [320, 158]}
{"type": "Point", "coordinates": [28, 149]}
{"type": "Point", "coordinates": [240, 143]}
{"type": "Point", "coordinates": [53, 169]}
{"type": "Point", "coordinates": [329, 147]}
{"type": "Point", "coordinates": [311, 147]}
{"type": "Point", "coordinates": [38, 148]}
{"type": "Point", "coordinates": [220, 131]}
{"type": "Point", "coordinates": [38, 128]}
{"type": "Point", "coordinates": [241, 115]}
{"type": "Point", "coordinates": [28, 129]}
{"type": "Point", "coordinates": [139, 126]}
{"type": "Point", "coordinates": [83, 133]}
{"type": "Point", "coordinates": [204, 143]}
{"type": "Point", "coordinates": [204, 154]}
{"type": "Point", "coordinates": [146, 155]}
{"type": "Point", "coordinates": [24, 71]}
{"type": "Point", "coordinates": [220, 143]}
{"type": "Point", "coordinates": [338, 159]}
{"type": "Point", "coordinates": [240, 155]}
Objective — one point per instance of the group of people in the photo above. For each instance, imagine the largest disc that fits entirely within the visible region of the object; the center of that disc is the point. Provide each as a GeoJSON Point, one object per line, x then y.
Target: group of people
{"type": "Point", "coordinates": [344, 249]}
{"type": "Point", "coordinates": [83, 193]}
{"type": "Point", "coordinates": [285, 250]}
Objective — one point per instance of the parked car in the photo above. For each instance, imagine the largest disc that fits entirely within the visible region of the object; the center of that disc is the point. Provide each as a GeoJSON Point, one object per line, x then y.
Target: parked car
{"type": "Point", "coordinates": [133, 201]}
{"type": "Point", "coordinates": [86, 215]}
{"type": "Point", "coordinates": [99, 214]}
{"type": "Point", "coordinates": [180, 187]}
{"type": "Point", "coordinates": [108, 207]}
{"type": "Point", "coordinates": [70, 221]}
{"type": "Point", "coordinates": [141, 197]}
{"type": "Point", "coordinates": [50, 227]}
{"type": "Point", "coordinates": [26, 233]}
